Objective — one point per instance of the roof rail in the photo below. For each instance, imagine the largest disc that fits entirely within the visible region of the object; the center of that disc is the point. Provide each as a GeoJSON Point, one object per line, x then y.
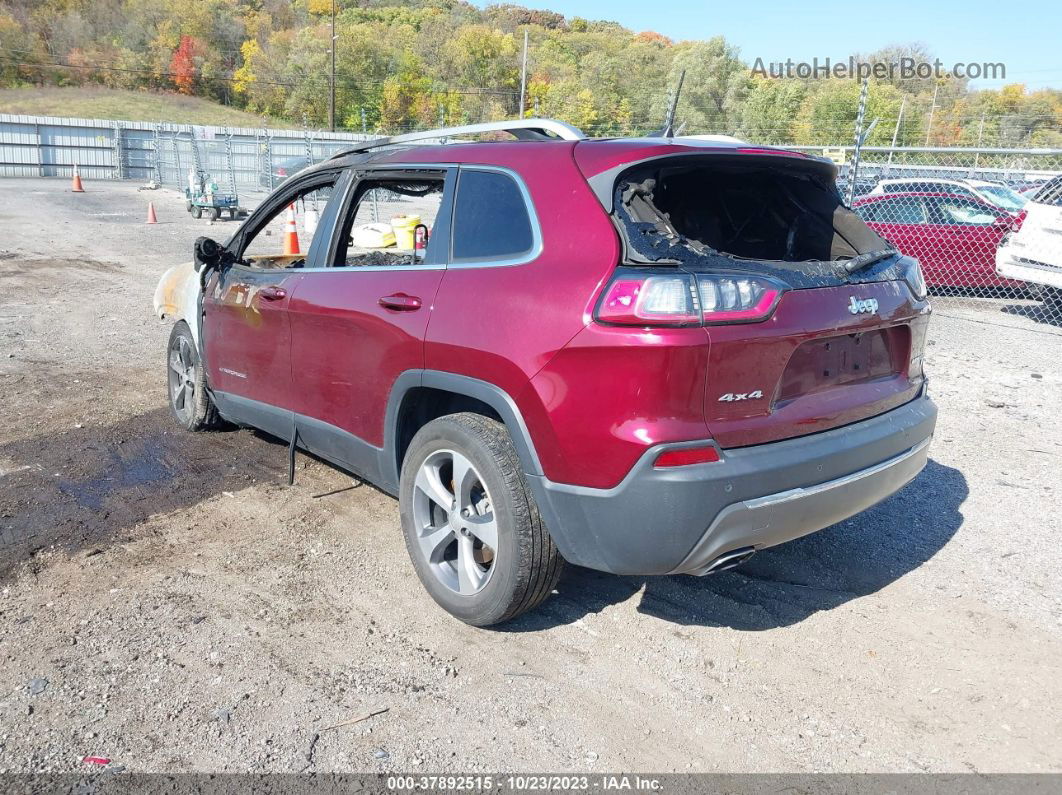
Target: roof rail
{"type": "Point", "coordinates": [522, 129]}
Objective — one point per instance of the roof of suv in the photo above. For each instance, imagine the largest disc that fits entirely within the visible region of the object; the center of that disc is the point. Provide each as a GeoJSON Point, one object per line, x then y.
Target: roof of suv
{"type": "Point", "coordinates": [599, 160]}
{"type": "Point", "coordinates": [595, 155]}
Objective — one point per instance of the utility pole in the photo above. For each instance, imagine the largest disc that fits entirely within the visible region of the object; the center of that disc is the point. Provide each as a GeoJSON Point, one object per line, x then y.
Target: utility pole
{"type": "Point", "coordinates": [853, 169]}
{"type": "Point", "coordinates": [332, 76]}
{"type": "Point", "coordinates": [980, 137]}
{"type": "Point", "coordinates": [523, 77]}
{"type": "Point", "coordinates": [932, 110]}
{"type": "Point", "coordinates": [896, 132]}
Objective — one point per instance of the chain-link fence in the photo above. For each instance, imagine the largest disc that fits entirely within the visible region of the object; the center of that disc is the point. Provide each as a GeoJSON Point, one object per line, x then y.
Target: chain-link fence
{"type": "Point", "coordinates": [237, 159]}
{"type": "Point", "coordinates": [986, 224]}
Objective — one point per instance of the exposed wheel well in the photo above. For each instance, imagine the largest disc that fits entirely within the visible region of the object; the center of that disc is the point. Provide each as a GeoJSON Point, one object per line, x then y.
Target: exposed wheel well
{"type": "Point", "coordinates": [422, 404]}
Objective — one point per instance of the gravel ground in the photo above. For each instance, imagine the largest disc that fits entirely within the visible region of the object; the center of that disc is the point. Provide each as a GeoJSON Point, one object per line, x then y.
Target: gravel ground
{"type": "Point", "coordinates": [167, 603]}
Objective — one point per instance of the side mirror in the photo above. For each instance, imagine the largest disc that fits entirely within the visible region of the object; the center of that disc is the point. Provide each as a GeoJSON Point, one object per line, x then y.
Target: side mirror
{"type": "Point", "coordinates": [206, 253]}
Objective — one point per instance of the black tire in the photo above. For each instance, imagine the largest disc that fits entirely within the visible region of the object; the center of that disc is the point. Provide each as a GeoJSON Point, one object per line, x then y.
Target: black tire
{"type": "Point", "coordinates": [214, 213]}
{"type": "Point", "coordinates": [190, 402]}
{"type": "Point", "coordinates": [188, 206]}
{"type": "Point", "coordinates": [524, 567]}
{"type": "Point", "coordinates": [233, 214]}
{"type": "Point", "coordinates": [197, 212]}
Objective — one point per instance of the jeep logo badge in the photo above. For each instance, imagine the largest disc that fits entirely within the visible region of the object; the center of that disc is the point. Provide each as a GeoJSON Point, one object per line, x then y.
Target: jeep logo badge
{"type": "Point", "coordinates": [868, 305]}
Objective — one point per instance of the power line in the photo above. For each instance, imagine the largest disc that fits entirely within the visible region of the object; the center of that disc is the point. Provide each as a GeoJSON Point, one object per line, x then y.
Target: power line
{"type": "Point", "coordinates": [152, 73]}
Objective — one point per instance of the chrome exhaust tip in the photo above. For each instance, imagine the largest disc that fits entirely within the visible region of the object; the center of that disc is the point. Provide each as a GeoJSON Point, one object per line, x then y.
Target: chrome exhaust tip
{"type": "Point", "coordinates": [728, 560]}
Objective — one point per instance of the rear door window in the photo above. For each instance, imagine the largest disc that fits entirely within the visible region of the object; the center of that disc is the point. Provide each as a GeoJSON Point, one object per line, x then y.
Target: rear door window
{"type": "Point", "coordinates": [491, 218]}
{"type": "Point", "coordinates": [385, 217]}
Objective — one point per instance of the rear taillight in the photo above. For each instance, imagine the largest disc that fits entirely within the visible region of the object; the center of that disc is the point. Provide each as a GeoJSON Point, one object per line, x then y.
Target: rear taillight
{"type": "Point", "coordinates": [912, 274]}
{"type": "Point", "coordinates": [649, 300]}
{"type": "Point", "coordinates": [684, 299]}
{"type": "Point", "coordinates": [737, 299]}
{"type": "Point", "coordinates": [281, 171]}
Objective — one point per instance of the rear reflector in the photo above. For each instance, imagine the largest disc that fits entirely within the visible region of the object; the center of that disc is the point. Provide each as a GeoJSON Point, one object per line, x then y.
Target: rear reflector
{"type": "Point", "coordinates": [691, 455]}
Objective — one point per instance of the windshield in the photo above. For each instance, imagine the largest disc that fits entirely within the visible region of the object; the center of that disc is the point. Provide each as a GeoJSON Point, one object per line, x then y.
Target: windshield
{"type": "Point", "coordinates": [1002, 196]}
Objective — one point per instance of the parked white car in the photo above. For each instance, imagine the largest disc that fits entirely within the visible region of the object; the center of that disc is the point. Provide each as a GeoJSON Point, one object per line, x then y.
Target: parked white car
{"type": "Point", "coordinates": [995, 193]}
{"type": "Point", "coordinates": [1034, 253]}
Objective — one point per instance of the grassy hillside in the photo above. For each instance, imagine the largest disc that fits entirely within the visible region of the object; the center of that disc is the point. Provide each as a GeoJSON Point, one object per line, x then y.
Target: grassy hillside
{"type": "Point", "coordinates": [109, 103]}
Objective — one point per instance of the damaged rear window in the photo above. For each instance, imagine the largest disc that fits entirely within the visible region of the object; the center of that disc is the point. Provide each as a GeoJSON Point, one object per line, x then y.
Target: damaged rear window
{"type": "Point", "coordinates": [742, 209]}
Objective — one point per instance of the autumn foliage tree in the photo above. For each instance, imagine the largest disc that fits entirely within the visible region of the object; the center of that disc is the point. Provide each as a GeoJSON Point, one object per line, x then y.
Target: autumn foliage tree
{"type": "Point", "coordinates": [413, 63]}
{"type": "Point", "coordinates": [184, 66]}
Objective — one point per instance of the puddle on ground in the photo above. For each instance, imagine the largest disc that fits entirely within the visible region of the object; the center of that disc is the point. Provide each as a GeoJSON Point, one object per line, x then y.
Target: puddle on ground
{"type": "Point", "coordinates": [88, 485]}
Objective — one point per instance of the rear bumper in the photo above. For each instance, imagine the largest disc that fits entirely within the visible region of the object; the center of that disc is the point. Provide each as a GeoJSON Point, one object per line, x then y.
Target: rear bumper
{"type": "Point", "coordinates": [1014, 265]}
{"type": "Point", "coordinates": [667, 521]}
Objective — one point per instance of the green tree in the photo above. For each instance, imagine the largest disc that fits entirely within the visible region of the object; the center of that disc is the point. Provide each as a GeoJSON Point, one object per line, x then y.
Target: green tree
{"type": "Point", "coordinates": [770, 109]}
{"type": "Point", "coordinates": [715, 86]}
{"type": "Point", "coordinates": [828, 113]}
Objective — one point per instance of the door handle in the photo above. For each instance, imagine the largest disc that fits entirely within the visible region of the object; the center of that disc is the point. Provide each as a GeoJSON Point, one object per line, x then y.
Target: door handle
{"type": "Point", "coordinates": [400, 302]}
{"type": "Point", "coordinates": [273, 293]}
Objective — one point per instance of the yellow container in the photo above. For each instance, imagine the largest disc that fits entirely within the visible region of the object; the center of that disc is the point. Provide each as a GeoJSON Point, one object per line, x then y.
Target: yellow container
{"type": "Point", "coordinates": [404, 226]}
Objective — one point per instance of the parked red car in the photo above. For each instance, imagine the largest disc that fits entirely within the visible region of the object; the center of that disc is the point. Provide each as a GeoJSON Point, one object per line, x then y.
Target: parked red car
{"type": "Point", "coordinates": [954, 237]}
{"type": "Point", "coordinates": [644, 356]}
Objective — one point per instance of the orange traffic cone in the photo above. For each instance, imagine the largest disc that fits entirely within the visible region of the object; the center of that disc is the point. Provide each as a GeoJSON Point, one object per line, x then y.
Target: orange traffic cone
{"type": "Point", "coordinates": [75, 186]}
{"type": "Point", "coordinates": [152, 218]}
{"type": "Point", "coordinates": [291, 236]}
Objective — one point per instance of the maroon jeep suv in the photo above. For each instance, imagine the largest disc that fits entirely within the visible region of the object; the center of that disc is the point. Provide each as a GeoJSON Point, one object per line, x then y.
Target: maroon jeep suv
{"type": "Point", "coordinates": [644, 356]}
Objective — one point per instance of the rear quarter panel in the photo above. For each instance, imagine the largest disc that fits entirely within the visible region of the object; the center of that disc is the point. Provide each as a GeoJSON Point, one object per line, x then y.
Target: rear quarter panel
{"type": "Point", "coordinates": [502, 324]}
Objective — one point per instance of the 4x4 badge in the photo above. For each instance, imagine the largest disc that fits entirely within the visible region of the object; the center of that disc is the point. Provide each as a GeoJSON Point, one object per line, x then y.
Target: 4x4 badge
{"type": "Point", "coordinates": [868, 305]}
{"type": "Point", "coordinates": [755, 394]}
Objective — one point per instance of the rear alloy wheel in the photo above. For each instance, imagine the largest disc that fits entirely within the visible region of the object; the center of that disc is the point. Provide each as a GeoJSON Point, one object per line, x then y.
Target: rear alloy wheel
{"type": "Point", "coordinates": [471, 526]}
{"type": "Point", "coordinates": [458, 530]}
{"type": "Point", "coordinates": [190, 403]}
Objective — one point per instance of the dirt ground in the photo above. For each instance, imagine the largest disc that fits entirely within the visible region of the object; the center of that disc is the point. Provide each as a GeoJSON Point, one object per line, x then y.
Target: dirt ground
{"type": "Point", "coordinates": [168, 603]}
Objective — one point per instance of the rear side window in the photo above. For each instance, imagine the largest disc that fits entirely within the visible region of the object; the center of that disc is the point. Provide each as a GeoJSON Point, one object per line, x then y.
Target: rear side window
{"type": "Point", "coordinates": [491, 221]}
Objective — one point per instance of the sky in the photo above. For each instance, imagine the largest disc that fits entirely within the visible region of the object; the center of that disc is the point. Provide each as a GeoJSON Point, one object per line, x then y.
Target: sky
{"type": "Point", "coordinates": [1023, 35]}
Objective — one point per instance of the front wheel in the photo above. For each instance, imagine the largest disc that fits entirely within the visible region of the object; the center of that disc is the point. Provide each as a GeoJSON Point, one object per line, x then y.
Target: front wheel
{"type": "Point", "coordinates": [471, 525]}
{"type": "Point", "coordinates": [197, 212]}
{"type": "Point", "coordinates": [190, 403]}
